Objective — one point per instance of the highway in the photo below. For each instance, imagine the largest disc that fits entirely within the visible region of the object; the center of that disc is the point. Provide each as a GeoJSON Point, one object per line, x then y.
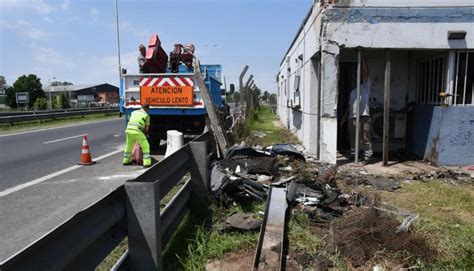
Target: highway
{"type": "Point", "coordinates": [30, 155]}
{"type": "Point", "coordinates": [41, 184]}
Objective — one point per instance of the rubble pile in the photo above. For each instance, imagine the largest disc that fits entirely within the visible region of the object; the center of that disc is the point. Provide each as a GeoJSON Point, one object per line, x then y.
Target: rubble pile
{"type": "Point", "coordinates": [332, 200]}
{"type": "Point", "coordinates": [245, 174]}
{"type": "Point", "coordinates": [444, 174]}
{"type": "Point", "coordinates": [367, 233]}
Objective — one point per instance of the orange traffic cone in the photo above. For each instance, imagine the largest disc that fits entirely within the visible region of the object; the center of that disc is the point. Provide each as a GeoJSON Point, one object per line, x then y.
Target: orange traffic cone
{"type": "Point", "coordinates": [86, 158]}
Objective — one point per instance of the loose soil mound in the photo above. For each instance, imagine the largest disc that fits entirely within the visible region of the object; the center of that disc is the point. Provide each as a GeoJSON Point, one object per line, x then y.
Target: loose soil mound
{"type": "Point", "coordinates": [365, 233]}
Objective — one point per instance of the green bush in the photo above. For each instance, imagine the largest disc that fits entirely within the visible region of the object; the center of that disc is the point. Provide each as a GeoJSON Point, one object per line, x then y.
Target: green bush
{"type": "Point", "coordinates": [61, 101]}
{"type": "Point", "coordinates": [40, 104]}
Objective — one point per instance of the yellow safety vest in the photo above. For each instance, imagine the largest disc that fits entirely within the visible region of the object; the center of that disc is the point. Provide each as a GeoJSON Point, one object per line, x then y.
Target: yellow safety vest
{"type": "Point", "coordinates": [139, 119]}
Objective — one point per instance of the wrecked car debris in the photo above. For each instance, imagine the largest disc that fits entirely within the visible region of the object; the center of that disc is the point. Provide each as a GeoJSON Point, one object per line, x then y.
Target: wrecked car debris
{"type": "Point", "coordinates": [387, 184]}
{"type": "Point", "coordinates": [238, 150]}
{"type": "Point", "coordinates": [264, 179]}
{"type": "Point", "coordinates": [243, 222]}
{"type": "Point", "coordinates": [228, 186]}
{"type": "Point", "coordinates": [286, 150]}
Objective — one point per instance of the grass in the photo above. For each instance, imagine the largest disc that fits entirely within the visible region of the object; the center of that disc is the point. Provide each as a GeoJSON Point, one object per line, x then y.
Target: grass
{"type": "Point", "coordinates": [300, 237]}
{"type": "Point", "coordinates": [193, 246]}
{"type": "Point", "coordinates": [447, 219]}
{"type": "Point", "coordinates": [41, 124]}
{"type": "Point", "coordinates": [113, 257]}
{"type": "Point", "coordinates": [264, 121]}
{"type": "Point", "coordinates": [200, 237]}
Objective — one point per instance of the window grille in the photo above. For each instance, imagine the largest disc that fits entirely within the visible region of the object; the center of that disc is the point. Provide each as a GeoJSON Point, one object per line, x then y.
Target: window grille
{"type": "Point", "coordinates": [463, 78]}
{"type": "Point", "coordinates": [430, 75]}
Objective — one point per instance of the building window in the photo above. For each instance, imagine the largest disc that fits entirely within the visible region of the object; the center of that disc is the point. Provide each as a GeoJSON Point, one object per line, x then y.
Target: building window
{"type": "Point", "coordinates": [463, 78]}
{"type": "Point", "coordinates": [296, 94]}
{"type": "Point", "coordinates": [430, 74]}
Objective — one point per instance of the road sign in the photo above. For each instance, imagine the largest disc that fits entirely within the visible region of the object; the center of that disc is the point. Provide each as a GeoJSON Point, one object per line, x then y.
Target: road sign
{"type": "Point", "coordinates": [167, 91]}
{"type": "Point", "coordinates": [22, 98]}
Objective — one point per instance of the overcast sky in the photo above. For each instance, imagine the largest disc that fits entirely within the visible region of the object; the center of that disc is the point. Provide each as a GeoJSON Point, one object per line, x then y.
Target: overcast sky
{"type": "Point", "coordinates": [75, 41]}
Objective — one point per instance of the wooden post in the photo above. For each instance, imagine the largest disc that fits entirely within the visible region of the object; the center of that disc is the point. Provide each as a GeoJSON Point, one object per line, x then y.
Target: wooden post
{"type": "Point", "coordinates": [216, 126]}
{"type": "Point", "coordinates": [386, 107]}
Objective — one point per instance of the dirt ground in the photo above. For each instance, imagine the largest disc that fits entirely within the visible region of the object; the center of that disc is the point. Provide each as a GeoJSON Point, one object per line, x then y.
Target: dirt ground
{"type": "Point", "coordinates": [367, 234]}
{"type": "Point", "coordinates": [348, 216]}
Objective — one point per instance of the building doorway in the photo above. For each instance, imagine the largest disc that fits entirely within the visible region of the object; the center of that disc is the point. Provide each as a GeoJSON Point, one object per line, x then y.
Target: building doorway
{"type": "Point", "coordinates": [347, 82]}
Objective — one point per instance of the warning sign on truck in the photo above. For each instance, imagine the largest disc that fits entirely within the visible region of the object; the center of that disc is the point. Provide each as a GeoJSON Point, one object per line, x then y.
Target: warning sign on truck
{"type": "Point", "coordinates": [166, 91]}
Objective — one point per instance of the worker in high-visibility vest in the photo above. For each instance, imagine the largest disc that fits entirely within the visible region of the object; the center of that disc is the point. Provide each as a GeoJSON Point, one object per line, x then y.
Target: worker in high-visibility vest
{"type": "Point", "coordinates": [137, 127]}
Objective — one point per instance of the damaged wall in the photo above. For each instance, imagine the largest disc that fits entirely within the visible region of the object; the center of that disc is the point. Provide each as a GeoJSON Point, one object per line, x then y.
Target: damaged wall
{"type": "Point", "coordinates": [403, 27]}
{"type": "Point", "coordinates": [338, 25]}
{"type": "Point", "coordinates": [443, 135]}
{"type": "Point", "coordinates": [329, 95]}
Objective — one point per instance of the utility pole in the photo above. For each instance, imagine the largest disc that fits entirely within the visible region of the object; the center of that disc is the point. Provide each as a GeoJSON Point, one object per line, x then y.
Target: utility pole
{"type": "Point", "coordinates": [118, 40]}
{"type": "Point", "coordinates": [50, 93]}
{"type": "Point", "coordinates": [386, 107]}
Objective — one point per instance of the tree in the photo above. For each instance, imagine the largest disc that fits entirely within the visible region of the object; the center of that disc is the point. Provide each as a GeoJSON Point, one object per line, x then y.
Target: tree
{"type": "Point", "coordinates": [40, 104]}
{"type": "Point", "coordinates": [24, 83]}
{"type": "Point", "coordinates": [265, 95]}
{"type": "Point", "coordinates": [61, 101]}
{"type": "Point", "coordinates": [3, 83]}
{"type": "Point", "coordinates": [10, 98]}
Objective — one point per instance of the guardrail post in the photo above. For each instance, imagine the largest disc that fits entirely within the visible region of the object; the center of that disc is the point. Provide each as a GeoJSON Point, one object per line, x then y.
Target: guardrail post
{"type": "Point", "coordinates": [199, 173]}
{"type": "Point", "coordinates": [143, 218]}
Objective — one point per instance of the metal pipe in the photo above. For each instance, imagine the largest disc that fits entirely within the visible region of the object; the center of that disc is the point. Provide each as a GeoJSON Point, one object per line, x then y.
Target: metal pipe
{"type": "Point", "coordinates": [456, 81]}
{"type": "Point", "coordinates": [443, 70]}
{"type": "Point", "coordinates": [432, 71]}
{"type": "Point", "coordinates": [465, 80]}
{"type": "Point", "coordinates": [359, 56]}
{"type": "Point", "coordinates": [437, 87]}
{"type": "Point", "coordinates": [386, 106]}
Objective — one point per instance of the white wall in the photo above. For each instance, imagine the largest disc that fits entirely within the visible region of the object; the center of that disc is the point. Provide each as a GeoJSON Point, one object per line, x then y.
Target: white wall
{"type": "Point", "coordinates": [328, 31]}
{"type": "Point", "coordinates": [302, 121]}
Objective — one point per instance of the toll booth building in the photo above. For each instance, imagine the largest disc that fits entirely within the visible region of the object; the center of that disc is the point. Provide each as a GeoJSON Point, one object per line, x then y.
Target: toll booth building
{"type": "Point", "coordinates": [426, 48]}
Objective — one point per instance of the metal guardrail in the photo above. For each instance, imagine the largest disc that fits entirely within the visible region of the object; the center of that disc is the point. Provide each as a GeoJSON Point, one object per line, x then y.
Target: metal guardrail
{"type": "Point", "coordinates": [43, 116]}
{"type": "Point", "coordinates": [36, 112]}
{"type": "Point", "coordinates": [132, 210]}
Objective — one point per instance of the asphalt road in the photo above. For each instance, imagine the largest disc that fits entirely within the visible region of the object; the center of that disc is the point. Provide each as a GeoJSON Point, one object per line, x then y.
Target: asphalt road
{"type": "Point", "coordinates": [41, 185]}
{"type": "Point", "coordinates": [31, 155]}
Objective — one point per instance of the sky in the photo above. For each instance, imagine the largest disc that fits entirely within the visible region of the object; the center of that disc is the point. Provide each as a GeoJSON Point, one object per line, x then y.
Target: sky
{"type": "Point", "coordinates": [75, 41]}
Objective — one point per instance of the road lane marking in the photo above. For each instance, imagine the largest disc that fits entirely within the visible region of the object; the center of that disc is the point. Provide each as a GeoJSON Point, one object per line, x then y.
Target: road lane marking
{"type": "Point", "coordinates": [60, 127]}
{"type": "Point", "coordinates": [17, 188]}
{"type": "Point", "coordinates": [62, 139]}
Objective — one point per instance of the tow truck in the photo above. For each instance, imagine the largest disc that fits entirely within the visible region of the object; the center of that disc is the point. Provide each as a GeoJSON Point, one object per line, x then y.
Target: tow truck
{"type": "Point", "coordinates": [168, 87]}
